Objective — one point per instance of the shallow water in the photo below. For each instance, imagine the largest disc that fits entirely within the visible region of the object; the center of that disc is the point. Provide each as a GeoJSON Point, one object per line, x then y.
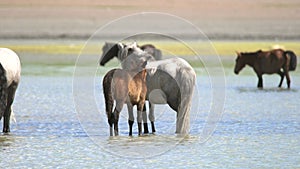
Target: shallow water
{"type": "Point", "coordinates": [258, 129]}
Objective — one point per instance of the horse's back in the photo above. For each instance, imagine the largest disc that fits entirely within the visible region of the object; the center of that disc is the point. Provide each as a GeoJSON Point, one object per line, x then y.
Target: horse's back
{"type": "Point", "coordinates": [11, 64]}
{"type": "Point", "coordinates": [173, 77]}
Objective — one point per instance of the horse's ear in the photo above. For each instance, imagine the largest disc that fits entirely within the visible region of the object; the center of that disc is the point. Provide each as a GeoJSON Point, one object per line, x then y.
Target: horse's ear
{"type": "Point", "coordinates": [238, 53]}
{"type": "Point", "coordinates": [134, 44]}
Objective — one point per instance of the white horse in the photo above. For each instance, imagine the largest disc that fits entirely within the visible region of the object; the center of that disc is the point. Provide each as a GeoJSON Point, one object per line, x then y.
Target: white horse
{"type": "Point", "coordinates": [170, 81]}
{"type": "Point", "coordinates": [10, 73]}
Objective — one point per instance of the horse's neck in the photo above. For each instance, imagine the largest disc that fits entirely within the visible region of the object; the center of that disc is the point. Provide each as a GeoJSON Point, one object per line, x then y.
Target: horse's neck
{"type": "Point", "coordinates": [133, 73]}
{"type": "Point", "coordinates": [251, 59]}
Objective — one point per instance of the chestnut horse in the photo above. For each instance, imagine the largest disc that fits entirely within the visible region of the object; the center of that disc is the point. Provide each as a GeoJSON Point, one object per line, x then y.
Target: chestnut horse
{"type": "Point", "coordinates": [123, 87]}
{"type": "Point", "coordinates": [10, 73]}
{"type": "Point", "coordinates": [268, 62]}
{"type": "Point", "coordinates": [110, 50]}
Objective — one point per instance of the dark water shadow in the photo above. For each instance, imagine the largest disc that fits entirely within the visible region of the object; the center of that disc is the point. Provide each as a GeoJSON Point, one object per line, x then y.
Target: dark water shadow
{"type": "Point", "coordinates": [6, 140]}
{"type": "Point", "coordinates": [267, 90]}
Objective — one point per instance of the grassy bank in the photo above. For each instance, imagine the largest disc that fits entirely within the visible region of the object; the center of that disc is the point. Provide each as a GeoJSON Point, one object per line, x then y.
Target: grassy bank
{"type": "Point", "coordinates": [57, 58]}
{"type": "Point", "coordinates": [222, 48]}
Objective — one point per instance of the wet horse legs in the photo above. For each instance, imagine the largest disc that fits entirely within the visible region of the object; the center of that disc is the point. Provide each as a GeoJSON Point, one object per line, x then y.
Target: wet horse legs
{"type": "Point", "coordinates": [10, 98]}
{"type": "Point", "coordinates": [144, 114]}
{"type": "Point", "coordinates": [260, 81]}
{"type": "Point", "coordinates": [130, 118]}
{"type": "Point", "coordinates": [281, 77]}
{"type": "Point", "coordinates": [116, 114]}
{"type": "Point", "coordinates": [288, 80]}
{"type": "Point", "coordinates": [152, 117]}
{"type": "Point", "coordinates": [140, 107]}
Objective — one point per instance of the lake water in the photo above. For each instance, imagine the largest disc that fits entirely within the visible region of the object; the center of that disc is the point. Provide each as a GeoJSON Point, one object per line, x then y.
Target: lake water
{"type": "Point", "coordinates": [257, 129]}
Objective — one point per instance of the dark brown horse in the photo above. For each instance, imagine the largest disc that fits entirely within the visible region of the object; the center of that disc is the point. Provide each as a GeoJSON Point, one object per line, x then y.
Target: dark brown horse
{"type": "Point", "coordinates": [268, 62]}
{"type": "Point", "coordinates": [124, 87]}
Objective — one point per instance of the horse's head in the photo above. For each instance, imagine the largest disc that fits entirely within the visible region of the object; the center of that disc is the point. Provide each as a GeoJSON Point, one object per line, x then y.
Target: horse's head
{"type": "Point", "coordinates": [239, 63]}
{"type": "Point", "coordinates": [109, 51]}
{"type": "Point", "coordinates": [132, 57]}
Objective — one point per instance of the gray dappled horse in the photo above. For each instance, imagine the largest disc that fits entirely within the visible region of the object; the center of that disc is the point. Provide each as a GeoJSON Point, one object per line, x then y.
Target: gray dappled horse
{"type": "Point", "coordinates": [10, 72]}
{"type": "Point", "coordinates": [169, 81]}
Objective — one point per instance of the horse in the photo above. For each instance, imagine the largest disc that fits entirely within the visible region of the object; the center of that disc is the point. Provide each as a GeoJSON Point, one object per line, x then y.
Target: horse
{"type": "Point", "coordinates": [169, 81]}
{"type": "Point", "coordinates": [123, 87]}
{"type": "Point", "coordinates": [10, 73]}
{"type": "Point", "coordinates": [110, 50]}
{"type": "Point", "coordinates": [268, 62]}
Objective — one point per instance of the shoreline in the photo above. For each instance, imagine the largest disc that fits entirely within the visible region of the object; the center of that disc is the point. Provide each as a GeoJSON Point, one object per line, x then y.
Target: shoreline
{"type": "Point", "coordinates": [178, 48]}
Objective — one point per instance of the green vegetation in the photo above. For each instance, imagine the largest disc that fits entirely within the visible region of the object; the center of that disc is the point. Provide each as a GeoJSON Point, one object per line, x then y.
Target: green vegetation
{"type": "Point", "coordinates": [59, 59]}
{"type": "Point", "coordinates": [222, 48]}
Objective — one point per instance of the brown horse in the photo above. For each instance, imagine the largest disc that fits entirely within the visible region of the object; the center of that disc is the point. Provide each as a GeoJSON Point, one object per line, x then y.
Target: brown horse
{"type": "Point", "coordinates": [110, 50]}
{"type": "Point", "coordinates": [123, 87]}
{"type": "Point", "coordinates": [268, 62]}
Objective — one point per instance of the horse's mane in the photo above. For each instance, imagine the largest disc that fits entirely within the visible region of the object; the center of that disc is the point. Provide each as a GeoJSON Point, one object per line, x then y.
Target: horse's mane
{"type": "Point", "coordinates": [251, 53]}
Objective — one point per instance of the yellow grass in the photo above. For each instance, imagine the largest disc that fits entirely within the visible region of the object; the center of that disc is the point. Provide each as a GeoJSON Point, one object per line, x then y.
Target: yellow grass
{"type": "Point", "coordinates": [223, 48]}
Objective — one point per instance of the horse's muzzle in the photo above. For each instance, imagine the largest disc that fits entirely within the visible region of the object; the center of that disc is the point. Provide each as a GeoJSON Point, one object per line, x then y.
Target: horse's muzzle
{"type": "Point", "coordinates": [236, 72]}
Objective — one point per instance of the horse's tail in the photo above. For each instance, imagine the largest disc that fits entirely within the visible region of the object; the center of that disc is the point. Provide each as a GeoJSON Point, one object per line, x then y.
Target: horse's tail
{"type": "Point", "coordinates": [107, 91]}
{"type": "Point", "coordinates": [3, 90]}
{"type": "Point", "coordinates": [187, 85]}
{"type": "Point", "coordinates": [293, 59]}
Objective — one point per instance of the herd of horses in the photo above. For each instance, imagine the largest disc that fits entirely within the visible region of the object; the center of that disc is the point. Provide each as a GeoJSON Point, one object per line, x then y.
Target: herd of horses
{"type": "Point", "coordinates": [146, 76]}
{"type": "Point", "coordinates": [170, 81]}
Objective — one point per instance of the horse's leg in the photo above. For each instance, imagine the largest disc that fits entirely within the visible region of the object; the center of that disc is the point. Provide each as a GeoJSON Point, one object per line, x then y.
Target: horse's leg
{"type": "Point", "coordinates": [111, 124]}
{"type": "Point", "coordinates": [130, 117]}
{"type": "Point", "coordinates": [109, 103]}
{"type": "Point", "coordinates": [10, 98]}
{"type": "Point", "coordinates": [151, 116]}
{"type": "Point", "coordinates": [118, 109]}
{"type": "Point", "coordinates": [286, 69]}
{"type": "Point", "coordinates": [115, 118]}
{"type": "Point", "coordinates": [140, 107]}
{"type": "Point", "coordinates": [144, 114]}
{"type": "Point", "coordinates": [281, 74]}
{"type": "Point", "coordinates": [260, 81]}
{"type": "Point", "coordinates": [287, 75]}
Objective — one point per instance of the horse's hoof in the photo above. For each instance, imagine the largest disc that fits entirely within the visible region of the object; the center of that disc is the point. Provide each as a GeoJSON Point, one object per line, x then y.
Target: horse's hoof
{"type": "Point", "coordinates": [146, 134]}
